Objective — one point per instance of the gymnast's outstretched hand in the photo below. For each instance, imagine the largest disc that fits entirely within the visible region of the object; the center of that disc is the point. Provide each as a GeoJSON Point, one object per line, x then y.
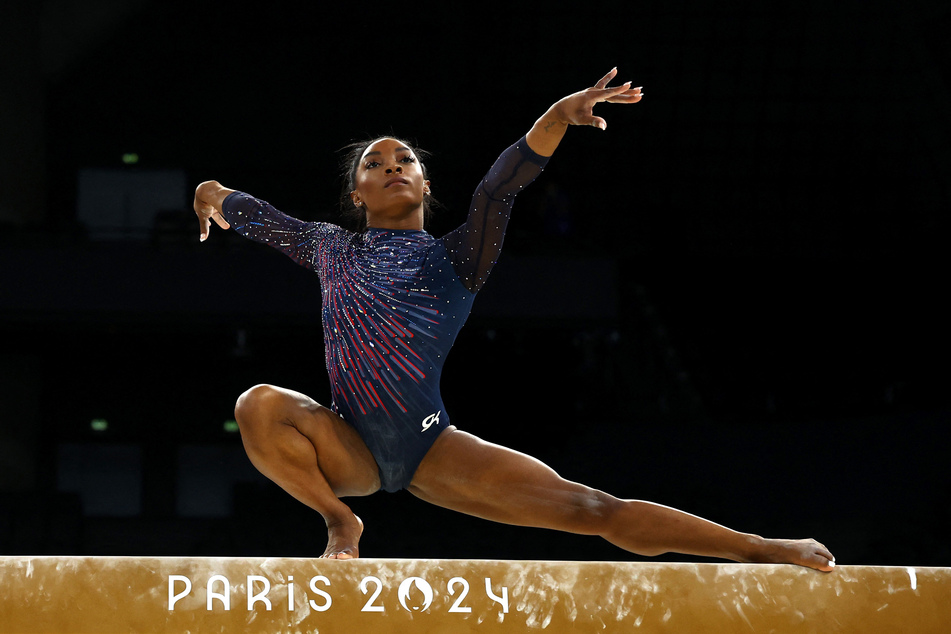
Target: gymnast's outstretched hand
{"type": "Point", "coordinates": [578, 109]}
{"type": "Point", "coordinates": [208, 199]}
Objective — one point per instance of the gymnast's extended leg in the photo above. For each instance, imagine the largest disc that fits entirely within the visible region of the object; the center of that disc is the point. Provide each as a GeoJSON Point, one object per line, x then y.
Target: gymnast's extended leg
{"type": "Point", "coordinates": [313, 454]}
{"type": "Point", "coordinates": [463, 473]}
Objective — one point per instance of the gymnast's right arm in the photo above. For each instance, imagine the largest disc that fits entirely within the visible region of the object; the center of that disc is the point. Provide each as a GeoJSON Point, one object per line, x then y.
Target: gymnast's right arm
{"type": "Point", "coordinates": [257, 220]}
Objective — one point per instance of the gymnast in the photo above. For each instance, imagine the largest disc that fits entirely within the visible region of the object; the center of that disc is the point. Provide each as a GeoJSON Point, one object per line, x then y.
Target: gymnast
{"type": "Point", "coordinates": [393, 300]}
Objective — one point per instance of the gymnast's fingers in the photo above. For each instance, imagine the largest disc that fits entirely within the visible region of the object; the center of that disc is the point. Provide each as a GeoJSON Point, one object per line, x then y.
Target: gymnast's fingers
{"type": "Point", "coordinates": [629, 96]}
{"type": "Point", "coordinates": [220, 220]}
{"type": "Point", "coordinates": [606, 94]}
{"type": "Point", "coordinates": [604, 80]}
{"type": "Point", "coordinates": [625, 96]}
{"type": "Point", "coordinates": [203, 227]}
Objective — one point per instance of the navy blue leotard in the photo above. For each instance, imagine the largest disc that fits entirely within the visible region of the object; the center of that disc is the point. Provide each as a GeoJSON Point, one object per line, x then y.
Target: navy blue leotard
{"type": "Point", "coordinates": [393, 302]}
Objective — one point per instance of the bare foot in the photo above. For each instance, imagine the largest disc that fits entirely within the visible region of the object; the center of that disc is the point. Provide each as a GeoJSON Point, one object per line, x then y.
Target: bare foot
{"type": "Point", "coordinates": [802, 552]}
{"type": "Point", "coordinates": [343, 538]}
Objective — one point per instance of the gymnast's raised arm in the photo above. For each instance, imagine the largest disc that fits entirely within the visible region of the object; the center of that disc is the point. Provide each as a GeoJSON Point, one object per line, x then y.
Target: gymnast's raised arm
{"type": "Point", "coordinates": [476, 245]}
{"type": "Point", "coordinates": [576, 109]}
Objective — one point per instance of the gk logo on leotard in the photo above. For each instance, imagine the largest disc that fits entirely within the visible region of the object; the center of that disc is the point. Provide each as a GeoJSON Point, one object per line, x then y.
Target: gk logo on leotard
{"type": "Point", "coordinates": [429, 421]}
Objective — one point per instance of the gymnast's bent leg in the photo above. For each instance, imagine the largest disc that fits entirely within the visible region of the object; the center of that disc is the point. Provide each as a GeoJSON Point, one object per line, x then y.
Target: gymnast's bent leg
{"type": "Point", "coordinates": [313, 454]}
{"type": "Point", "coordinates": [466, 474]}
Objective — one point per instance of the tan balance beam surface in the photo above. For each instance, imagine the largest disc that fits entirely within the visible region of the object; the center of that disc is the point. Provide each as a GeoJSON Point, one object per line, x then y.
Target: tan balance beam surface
{"type": "Point", "coordinates": [63, 595]}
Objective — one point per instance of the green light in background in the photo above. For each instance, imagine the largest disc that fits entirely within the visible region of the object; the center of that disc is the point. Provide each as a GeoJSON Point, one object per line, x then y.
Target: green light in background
{"type": "Point", "coordinates": [231, 426]}
{"type": "Point", "coordinates": [99, 424]}
{"type": "Point", "coordinates": [130, 158]}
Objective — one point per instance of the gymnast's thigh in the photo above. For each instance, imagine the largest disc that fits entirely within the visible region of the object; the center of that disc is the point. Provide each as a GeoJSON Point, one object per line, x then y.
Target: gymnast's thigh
{"type": "Point", "coordinates": [464, 473]}
{"type": "Point", "coordinates": [275, 418]}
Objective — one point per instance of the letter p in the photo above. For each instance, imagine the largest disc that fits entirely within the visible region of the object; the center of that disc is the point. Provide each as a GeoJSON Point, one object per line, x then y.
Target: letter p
{"type": "Point", "coordinates": [172, 597]}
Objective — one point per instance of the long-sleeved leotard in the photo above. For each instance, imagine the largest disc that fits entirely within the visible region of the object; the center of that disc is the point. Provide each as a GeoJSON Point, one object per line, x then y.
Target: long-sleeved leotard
{"type": "Point", "coordinates": [393, 302]}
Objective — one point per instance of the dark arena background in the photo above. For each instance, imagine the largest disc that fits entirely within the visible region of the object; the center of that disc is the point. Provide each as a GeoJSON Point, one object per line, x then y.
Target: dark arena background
{"type": "Point", "coordinates": [732, 301]}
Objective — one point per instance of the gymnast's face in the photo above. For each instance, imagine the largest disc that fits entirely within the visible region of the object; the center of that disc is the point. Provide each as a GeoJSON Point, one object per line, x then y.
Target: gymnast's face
{"type": "Point", "coordinates": [390, 186]}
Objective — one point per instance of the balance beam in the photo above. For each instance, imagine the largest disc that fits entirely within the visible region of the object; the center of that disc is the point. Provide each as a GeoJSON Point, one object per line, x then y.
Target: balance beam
{"type": "Point", "coordinates": [64, 595]}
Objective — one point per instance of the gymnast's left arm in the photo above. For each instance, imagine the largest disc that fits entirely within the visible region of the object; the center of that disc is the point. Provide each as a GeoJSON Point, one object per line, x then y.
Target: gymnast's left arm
{"type": "Point", "coordinates": [576, 109]}
{"type": "Point", "coordinates": [474, 247]}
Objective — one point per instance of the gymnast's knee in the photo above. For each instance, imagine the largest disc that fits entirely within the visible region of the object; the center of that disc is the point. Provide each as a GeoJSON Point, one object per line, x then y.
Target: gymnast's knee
{"type": "Point", "coordinates": [258, 409]}
{"type": "Point", "coordinates": [255, 404]}
{"type": "Point", "coordinates": [592, 512]}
